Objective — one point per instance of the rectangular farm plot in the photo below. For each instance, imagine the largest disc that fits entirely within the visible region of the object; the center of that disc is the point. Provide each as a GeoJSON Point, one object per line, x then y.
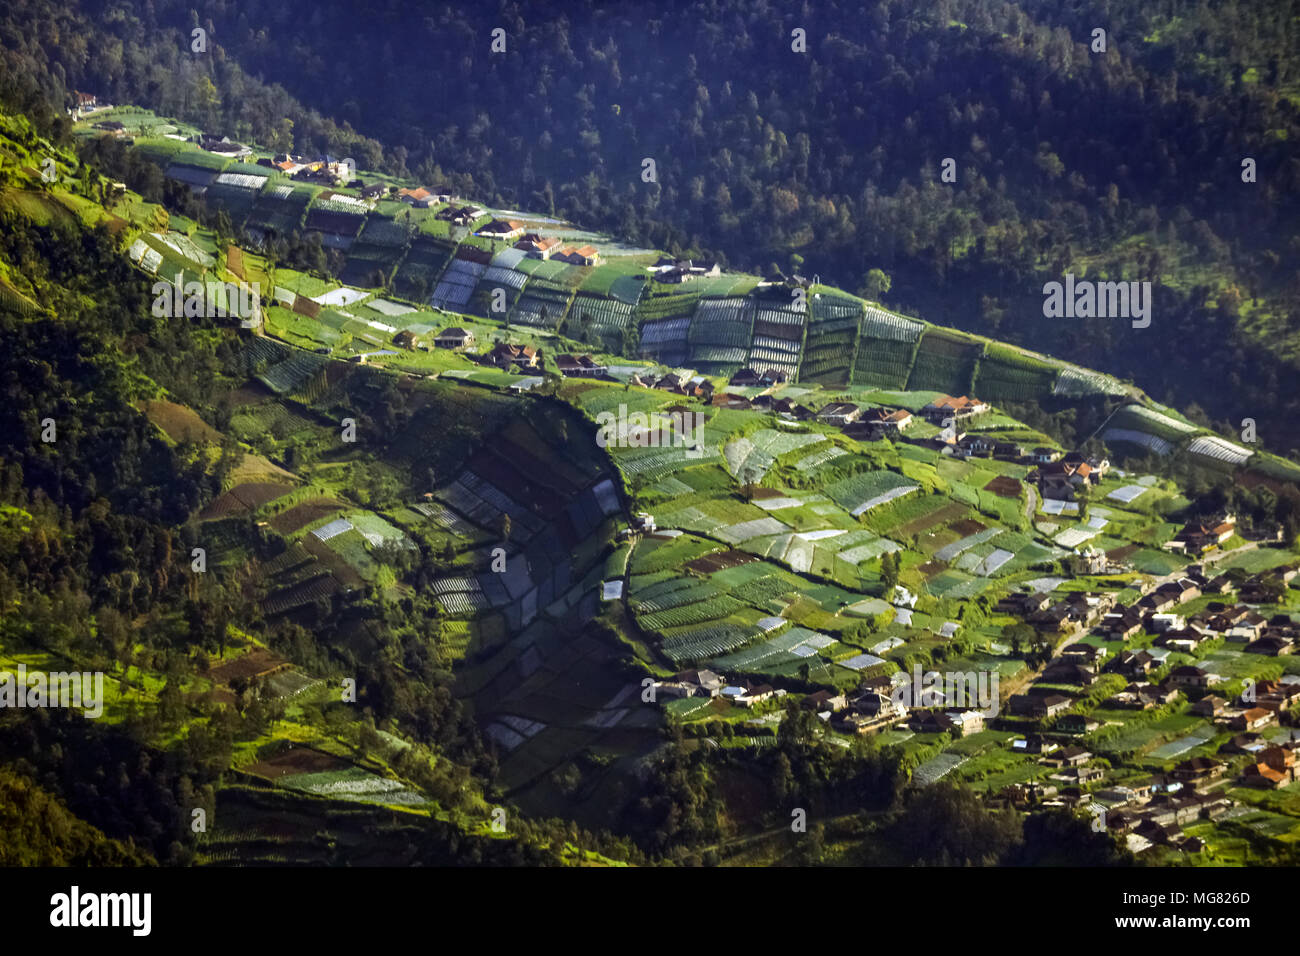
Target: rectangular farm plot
{"type": "Point", "coordinates": [866, 490]}
{"type": "Point", "coordinates": [745, 530]}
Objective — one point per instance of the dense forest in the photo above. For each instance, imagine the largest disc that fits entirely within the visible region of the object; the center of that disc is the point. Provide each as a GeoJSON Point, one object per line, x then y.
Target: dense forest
{"type": "Point", "coordinates": [1124, 164]}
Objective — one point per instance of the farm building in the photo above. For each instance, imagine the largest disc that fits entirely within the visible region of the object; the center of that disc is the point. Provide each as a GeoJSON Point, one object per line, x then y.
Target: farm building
{"type": "Point", "coordinates": [537, 247]}
{"type": "Point", "coordinates": [580, 256]}
{"type": "Point", "coordinates": [579, 366]}
{"type": "Point", "coordinates": [502, 229]}
{"type": "Point", "coordinates": [947, 406]}
{"type": "Point", "coordinates": [453, 338]}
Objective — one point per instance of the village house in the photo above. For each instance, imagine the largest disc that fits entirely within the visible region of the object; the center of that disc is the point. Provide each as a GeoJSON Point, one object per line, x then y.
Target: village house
{"type": "Point", "coordinates": [677, 271]}
{"type": "Point", "coordinates": [1034, 744]}
{"type": "Point", "coordinates": [537, 247]}
{"type": "Point", "coordinates": [224, 147]}
{"type": "Point", "coordinates": [505, 229]}
{"type": "Point", "coordinates": [1133, 664]}
{"type": "Point", "coordinates": [579, 256]}
{"type": "Point", "coordinates": [727, 400]}
{"type": "Point", "coordinates": [1274, 767]}
{"type": "Point", "coordinates": [1270, 646]}
{"type": "Point", "coordinates": [454, 337]}
{"type": "Point", "coordinates": [1082, 653]}
{"type": "Point", "coordinates": [745, 378]}
{"type": "Point", "coordinates": [1247, 743]}
{"type": "Point", "coordinates": [975, 445]}
{"type": "Point", "coordinates": [871, 711]}
{"type": "Point", "coordinates": [788, 408]}
{"type": "Point", "coordinates": [823, 701]}
{"type": "Point", "coordinates": [756, 694]}
{"type": "Point", "coordinates": [460, 215]}
{"type": "Point", "coordinates": [1120, 624]}
{"type": "Point", "coordinates": [839, 413]}
{"type": "Point", "coordinates": [1040, 706]}
{"type": "Point", "coordinates": [1188, 677]}
{"type": "Point", "coordinates": [1077, 724]}
{"type": "Point", "coordinates": [1184, 639]}
{"type": "Point", "coordinates": [1199, 770]}
{"type": "Point", "coordinates": [672, 382]}
{"type": "Point", "coordinates": [957, 408]}
{"type": "Point", "coordinates": [406, 339]}
{"type": "Point", "coordinates": [1062, 671]}
{"type": "Point", "coordinates": [504, 356]}
{"type": "Point", "coordinates": [419, 197]}
{"type": "Point", "coordinates": [705, 682]}
{"type": "Point", "coordinates": [1199, 536]}
{"type": "Point", "coordinates": [1079, 776]}
{"type": "Point", "coordinates": [1022, 604]}
{"type": "Point", "coordinates": [1071, 756]}
{"type": "Point", "coordinates": [1061, 480]}
{"type": "Point", "coordinates": [374, 191]}
{"type": "Point", "coordinates": [1097, 467]}
{"type": "Point", "coordinates": [959, 723]}
{"type": "Point", "coordinates": [1210, 705]}
{"type": "Point", "coordinates": [884, 421]}
{"type": "Point", "coordinates": [1275, 696]}
{"type": "Point", "coordinates": [1141, 696]}
{"type": "Point", "coordinates": [579, 366]}
{"type": "Point", "coordinates": [1254, 719]}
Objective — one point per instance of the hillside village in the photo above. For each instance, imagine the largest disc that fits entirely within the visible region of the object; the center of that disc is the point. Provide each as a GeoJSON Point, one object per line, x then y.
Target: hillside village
{"type": "Point", "coordinates": [855, 512]}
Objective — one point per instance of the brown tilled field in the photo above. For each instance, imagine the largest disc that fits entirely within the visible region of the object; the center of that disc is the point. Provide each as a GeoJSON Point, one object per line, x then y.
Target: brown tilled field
{"type": "Point", "coordinates": [935, 518]}
{"type": "Point", "coordinates": [254, 393]}
{"type": "Point", "coordinates": [1004, 486]}
{"type": "Point", "coordinates": [255, 663]}
{"type": "Point", "coordinates": [967, 526]}
{"type": "Point", "coordinates": [180, 423]}
{"type": "Point", "coordinates": [303, 514]}
{"type": "Point", "coordinates": [720, 561]}
{"type": "Point", "coordinates": [243, 499]}
{"type": "Point", "coordinates": [298, 759]}
{"type": "Point", "coordinates": [1124, 553]}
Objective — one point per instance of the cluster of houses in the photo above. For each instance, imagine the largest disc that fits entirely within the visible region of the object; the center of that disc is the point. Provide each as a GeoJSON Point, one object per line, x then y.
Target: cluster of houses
{"type": "Point", "coordinates": [1154, 811]}
{"type": "Point", "coordinates": [948, 411]}
{"type": "Point", "coordinates": [707, 683]}
{"type": "Point", "coordinates": [1073, 612]}
{"type": "Point", "coordinates": [1151, 811]}
{"type": "Point", "coordinates": [749, 378]}
{"type": "Point", "coordinates": [1197, 537]}
{"type": "Point", "coordinates": [325, 169]}
{"type": "Point", "coordinates": [1062, 479]}
{"type": "Point", "coordinates": [533, 245]}
{"type": "Point", "coordinates": [680, 382]}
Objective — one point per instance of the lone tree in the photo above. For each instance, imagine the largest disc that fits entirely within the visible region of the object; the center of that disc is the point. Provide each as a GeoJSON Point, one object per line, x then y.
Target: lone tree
{"type": "Point", "coordinates": [876, 284]}
{"type": "Point", "coordinates": [889, 568]}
